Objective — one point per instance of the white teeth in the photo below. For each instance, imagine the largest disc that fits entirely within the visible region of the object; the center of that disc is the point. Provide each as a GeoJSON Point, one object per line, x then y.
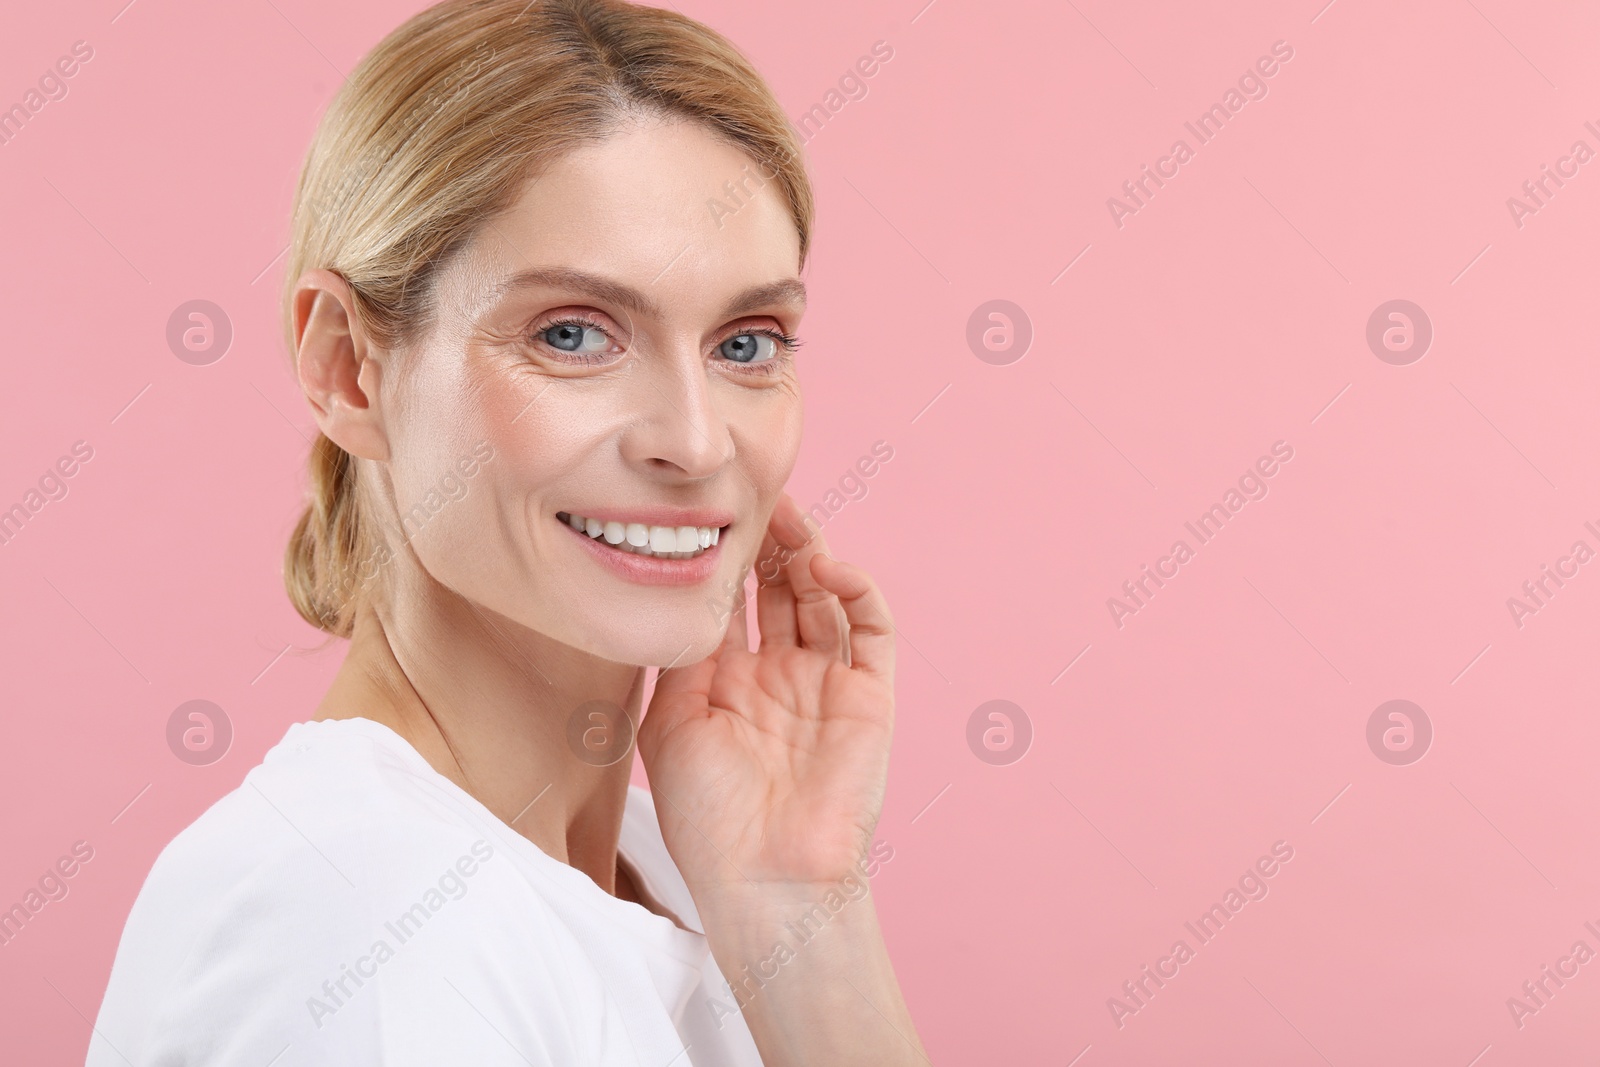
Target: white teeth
{"type": "Point", "coordinates": [667, 542]}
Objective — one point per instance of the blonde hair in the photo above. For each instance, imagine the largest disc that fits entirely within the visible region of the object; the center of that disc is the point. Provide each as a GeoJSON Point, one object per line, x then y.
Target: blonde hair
{"type": "Point", "coordinates": [436, 131]}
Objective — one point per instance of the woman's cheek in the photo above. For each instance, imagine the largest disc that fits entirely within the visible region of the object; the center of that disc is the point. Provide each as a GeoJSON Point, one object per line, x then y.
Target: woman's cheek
{"type": "Point", "coordinates": [771, 444]}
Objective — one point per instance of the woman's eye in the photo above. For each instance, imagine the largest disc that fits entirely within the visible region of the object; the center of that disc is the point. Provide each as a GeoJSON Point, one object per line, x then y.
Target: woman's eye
{"type": "Point", "coordinates": [574, 337]}
{"type": "Point", "coordinates": [749, 347]}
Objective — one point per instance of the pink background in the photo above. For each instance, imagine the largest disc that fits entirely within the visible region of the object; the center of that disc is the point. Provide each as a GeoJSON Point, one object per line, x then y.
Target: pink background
{"type": "Point", "coordinates": [1227, 314]}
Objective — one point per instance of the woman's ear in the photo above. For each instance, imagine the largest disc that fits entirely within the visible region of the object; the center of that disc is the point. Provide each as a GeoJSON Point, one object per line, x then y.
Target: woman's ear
{"type": "Point", "coordinates": [339, 370]}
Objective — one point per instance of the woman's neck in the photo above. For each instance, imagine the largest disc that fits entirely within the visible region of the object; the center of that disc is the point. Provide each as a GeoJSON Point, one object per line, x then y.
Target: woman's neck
{"type": "Point", "coordinates": [487, 703]}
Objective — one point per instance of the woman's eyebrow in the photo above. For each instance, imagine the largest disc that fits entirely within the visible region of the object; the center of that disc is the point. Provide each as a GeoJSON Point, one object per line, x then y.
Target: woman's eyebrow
{"type": "Point", "coordinates": [789, 291]}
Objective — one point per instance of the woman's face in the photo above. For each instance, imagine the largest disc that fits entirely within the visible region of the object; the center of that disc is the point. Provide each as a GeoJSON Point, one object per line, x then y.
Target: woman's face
{"type": "Point", "coordinates": [613, 345]}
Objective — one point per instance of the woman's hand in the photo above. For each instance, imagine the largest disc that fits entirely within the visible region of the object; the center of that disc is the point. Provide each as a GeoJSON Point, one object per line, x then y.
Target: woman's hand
{"type": "Point", "coordinates": [768, 767]}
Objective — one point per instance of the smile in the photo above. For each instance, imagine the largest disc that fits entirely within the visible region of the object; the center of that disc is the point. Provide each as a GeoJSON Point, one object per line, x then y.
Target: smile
{"type": "Point", "coordinates": [641, 539]}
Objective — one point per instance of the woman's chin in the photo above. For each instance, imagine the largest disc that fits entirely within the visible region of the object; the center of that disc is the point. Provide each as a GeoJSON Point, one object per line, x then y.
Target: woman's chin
{"type": "Point", "coordinates": [640, 650]}
{"type": "Point", "coordinates": [683, 652]}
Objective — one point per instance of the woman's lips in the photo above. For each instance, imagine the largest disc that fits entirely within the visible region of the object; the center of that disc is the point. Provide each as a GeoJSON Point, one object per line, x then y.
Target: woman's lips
{"type": "Point", "coordinates": [649, 570]}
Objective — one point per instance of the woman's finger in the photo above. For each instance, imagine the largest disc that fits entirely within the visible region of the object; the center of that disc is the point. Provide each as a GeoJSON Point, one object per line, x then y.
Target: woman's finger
{"type": "Point", "coordinates": [871, 626]}
{"type": "Point", "coordinates": [774, 598]}
{"type": "Point", "coordinates": [796, 536]}
{"type": "Point", "coordinates": [679, 694]}
{"type": "Point", "coordinates": [821, 625]}
{"type": "Point", "coordinates": [738, 632]}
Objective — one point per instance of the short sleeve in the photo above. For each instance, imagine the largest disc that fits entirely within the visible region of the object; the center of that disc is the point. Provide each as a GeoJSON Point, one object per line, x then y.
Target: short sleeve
{"type": "Point", "coordinates": [407, 948]}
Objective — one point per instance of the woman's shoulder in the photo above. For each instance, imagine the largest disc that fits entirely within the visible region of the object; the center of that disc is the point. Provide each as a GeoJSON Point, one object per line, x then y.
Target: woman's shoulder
{"type": "Point", "coordinates": [333, 856]}
{"type": "Point", "coordinates": [330, 790]}
{"type": "Point", "coordinates": [340, 820]}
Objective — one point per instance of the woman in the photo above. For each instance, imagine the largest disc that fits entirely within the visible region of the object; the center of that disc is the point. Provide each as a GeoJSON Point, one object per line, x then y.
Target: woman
{"type": "Point", "coordinates": [542, 296]}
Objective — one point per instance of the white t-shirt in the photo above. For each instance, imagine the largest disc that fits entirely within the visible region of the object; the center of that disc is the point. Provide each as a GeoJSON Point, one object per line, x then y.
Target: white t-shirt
{"type": "Point", "coordinates": [349, 905]}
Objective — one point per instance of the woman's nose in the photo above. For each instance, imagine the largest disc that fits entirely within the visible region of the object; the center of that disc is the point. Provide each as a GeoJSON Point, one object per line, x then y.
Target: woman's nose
{"type": "Point", "coordinates": [679, 425]}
